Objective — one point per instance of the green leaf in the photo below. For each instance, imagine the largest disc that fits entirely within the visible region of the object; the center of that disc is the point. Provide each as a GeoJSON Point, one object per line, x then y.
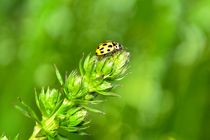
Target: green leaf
{"type": "Point", "coordinates": [71, 79]}
{"type": "Point", "coordinates": [108, 93]}
{"type": "Point", "coordinates": [80, 66]}
{"type": "Point", "coordinates": [27, 110]}
{"type": "Point", "coordinates": [89, 97]}
{"type": "Point", "coordinates": [82, 92]}
{"type": "Point", "coordinates": [58, 105]}
{"type": "Point", "coordinates": [77, 118]}
{"type": "Point", "coordinates": [104, 86]}
{"type": "Point", "coordinates": [73, 110]}
{"type": "Point", "coordinates": [107, 69]}
{"type": "Point", "coordinates": [64, 131]}
{"type": "Point", "coordinates": [94, 110]}
{"type": "Point", "coordinates": [16, 137]}
{"type": "Point", "coordinates": [86, 62]}
{"type": "Point", "coordinates": [83, 133]}
{"type": "Point", "coordinates": [89, 64]}
{"type": "Point", "coordinates": [39, 103]}
{"type": "Point", "coordinates": [99, 65]}
{"type": "Point", "coordinates": [58, 75]}
{"type": "Point", "coordinates": [69, 129]}
{"type": "Point", "coordinates": [95, 102]}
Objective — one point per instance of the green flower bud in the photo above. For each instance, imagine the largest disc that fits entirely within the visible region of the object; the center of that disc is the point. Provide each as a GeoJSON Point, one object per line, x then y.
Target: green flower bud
{"type": "Point", "coordinates": [120, 66]}
{"type": "Point", "coordinates": [74, 117]}
{"type": "Point", "coordinates": [48, 101]}
{"type": "Point", "coordinates": [64, 108]}
{"type": "Point", "coordinates": [108, 67]}
{"type": "Point", "coordinates": [89, 97]}
{"type": "Point", "coordinates": [104, 86]}
{"type": "Point", "coordinates": [73, 83]}
{"type": "Point", "coordinates": [89, 64]}
{"type": "Point", "coordinates": [75, 86]}
{"type": "Point", "coordinates": [99, 66]}
{"type": "Point", "coordinates": [82, 92]}
{"type": "Point", "coordinates": [78, 117]}
{"type": "Point", "coordinates": [112, 67]}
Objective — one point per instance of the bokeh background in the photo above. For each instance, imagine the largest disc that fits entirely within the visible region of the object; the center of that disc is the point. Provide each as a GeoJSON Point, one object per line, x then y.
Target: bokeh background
{"type": "Point", "coordinates": [166, 95]}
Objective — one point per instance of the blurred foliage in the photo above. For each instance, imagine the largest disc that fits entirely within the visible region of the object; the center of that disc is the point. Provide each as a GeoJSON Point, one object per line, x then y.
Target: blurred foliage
{"type": "Point", "coordinates": [166, 95]}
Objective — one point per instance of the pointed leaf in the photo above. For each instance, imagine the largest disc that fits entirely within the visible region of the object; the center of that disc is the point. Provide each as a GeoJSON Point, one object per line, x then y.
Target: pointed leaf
{"type": "Point", "coordinates": [94, 110]}
{"type": "Point", "coordinates": [108, 93]}
{"type": "Point", "coordinates": [58, 75]}
{"type": "Point", "coordinates": [16, 137]}
{"type": "Point", "coordinates": [104, 86]}
{"type": "Point", "coordinates": [27, 110]}
{"type": "Point", "coordinates": [86, 62]}
{"type": "Point", "coordinates": [80, 66]}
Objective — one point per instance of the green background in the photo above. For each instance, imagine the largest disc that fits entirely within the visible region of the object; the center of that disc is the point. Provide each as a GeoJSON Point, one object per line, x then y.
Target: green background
{"type": "Point", "coordinates": [166, 95]}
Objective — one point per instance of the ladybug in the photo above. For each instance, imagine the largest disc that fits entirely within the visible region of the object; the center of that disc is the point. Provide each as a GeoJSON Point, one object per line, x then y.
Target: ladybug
{"type": "Point", "coordinates": [108, 47]}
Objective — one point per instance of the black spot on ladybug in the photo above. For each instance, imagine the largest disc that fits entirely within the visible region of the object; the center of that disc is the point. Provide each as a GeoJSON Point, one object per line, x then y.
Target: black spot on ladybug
{"type": "Point", "coordinates": [114, 43]}
{"type": "Point", "coordinates": [98, 47]}
{"type": "Point", "coordinates": [104, 44]}
{"type": "Point", "coordinates": [101, 48]}
{"type": "Point", "coordinates": [117, 47]}
{"type": "Point", "coordinates": [120, 46]}
{"type": "Point", "coordinates": [102, 52]}
{"type": "Point", "coordinates": [110, 46]}
{"type": "Point", "coordinates": [108, 50]}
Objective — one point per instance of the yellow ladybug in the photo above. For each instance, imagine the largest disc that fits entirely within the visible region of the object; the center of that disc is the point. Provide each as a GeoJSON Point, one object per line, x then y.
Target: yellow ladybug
{"type": "Point", "coordinates": [108, 47]}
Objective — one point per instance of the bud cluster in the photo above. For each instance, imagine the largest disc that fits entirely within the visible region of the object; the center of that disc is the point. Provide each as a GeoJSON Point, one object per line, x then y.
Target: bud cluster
{"type": "Point", "coordinates": [66, 110]}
